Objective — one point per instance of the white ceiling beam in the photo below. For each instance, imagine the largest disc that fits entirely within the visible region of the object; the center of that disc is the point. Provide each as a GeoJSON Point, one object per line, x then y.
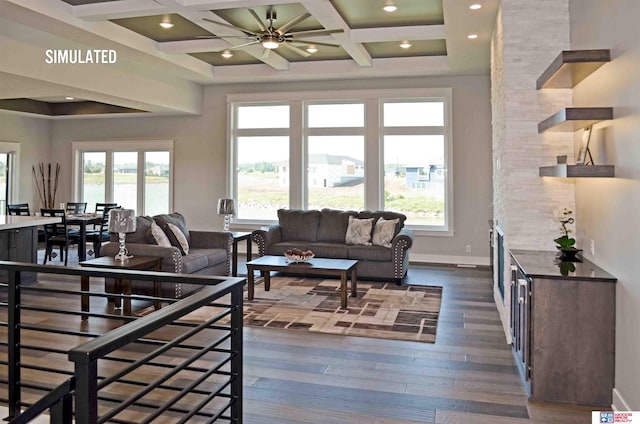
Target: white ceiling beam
{"type": "Point", "coordinates": [228, 4]}
{"type": "Point", "coordinates": [119, 9]}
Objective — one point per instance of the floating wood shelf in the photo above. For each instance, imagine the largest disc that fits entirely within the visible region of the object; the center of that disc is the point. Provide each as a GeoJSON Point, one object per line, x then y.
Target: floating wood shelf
{"type": "Point", "coordinates": [571, 67]}
{"type": "Point", "coordinates": [577, 171]}
{"type": "Point", "coordinates": [572, 119]}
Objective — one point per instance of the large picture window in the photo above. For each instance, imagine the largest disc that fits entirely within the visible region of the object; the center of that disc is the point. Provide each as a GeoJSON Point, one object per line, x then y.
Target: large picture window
{"type": "Point", "coordinates": [134, 175]}
{"type": "Point", "coordinates": [381, 149]}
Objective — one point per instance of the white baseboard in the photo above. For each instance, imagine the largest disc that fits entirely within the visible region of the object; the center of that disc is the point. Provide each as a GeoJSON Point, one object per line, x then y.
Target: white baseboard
{"type": "Point", "coordinates": [449, 259]}
{"type": "Point", "coordinates": [619, 403]}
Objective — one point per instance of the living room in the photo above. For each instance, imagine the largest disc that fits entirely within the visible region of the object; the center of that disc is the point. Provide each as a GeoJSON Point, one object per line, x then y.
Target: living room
{"type": "Point", "coordinates": [496, 153]}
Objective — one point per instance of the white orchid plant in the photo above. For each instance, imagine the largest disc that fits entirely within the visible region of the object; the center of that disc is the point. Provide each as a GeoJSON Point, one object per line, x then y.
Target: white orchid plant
{"type": "Point", "coordinates": [566, 221]}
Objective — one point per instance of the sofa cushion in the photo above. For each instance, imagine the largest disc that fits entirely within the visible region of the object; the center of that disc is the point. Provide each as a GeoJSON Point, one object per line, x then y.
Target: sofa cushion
{"type": "Point", "coordinates": [196, 261]}
{"type": "Point", "coordinates": [370, 253]}
{"type": "Point", "coordinates": [329, 250]}
{"type": "Point", "coordinates": [298, 224]}
{"type": "Point", "coordinates": [359, 231]}
{"type": "Point", "coordinates": [176, 219]}
{"type": "Point", "coordinates": [142, 234]}
{"type": "Point", "coordinates": [388, 215]}
{"type": "Point", "coordinates": [384, 231]}
{"type": "Point", "coordinates": [333, 225]}
{"type": "Point", "coordinates": [177, 238]}
{"type": "Point", "coordinates": [278, 249]}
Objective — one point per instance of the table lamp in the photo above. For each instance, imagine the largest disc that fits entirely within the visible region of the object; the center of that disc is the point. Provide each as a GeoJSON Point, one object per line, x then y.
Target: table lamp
{"type": "Point", "coordinates": [122, 221]}
{"type": "Point", "coordinates": [226, 208]}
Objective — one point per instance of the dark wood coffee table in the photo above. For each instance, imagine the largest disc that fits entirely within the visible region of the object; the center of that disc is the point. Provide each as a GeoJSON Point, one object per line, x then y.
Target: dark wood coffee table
{"type": "Point", "coordinates": [316, 266]}
{"type": "Point", "coordinates": [122, 286]}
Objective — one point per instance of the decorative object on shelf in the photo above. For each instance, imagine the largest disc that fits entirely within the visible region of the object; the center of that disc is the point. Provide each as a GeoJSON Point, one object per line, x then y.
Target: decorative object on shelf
{"type": "Point", "coordinates": [297, 255]}
{"type": "Point", "coordinates": [584, 155]}
{"type": "Point", "coordinates": [566, 244]}
{"type": "Point", "coordinates": [122, 221]}
{"type": "Point", "coordinates": [47, 189]}
{"type": "Point", "coordinates": [226, 208]}
{"type": "Point", "coordinates": [566, 267]}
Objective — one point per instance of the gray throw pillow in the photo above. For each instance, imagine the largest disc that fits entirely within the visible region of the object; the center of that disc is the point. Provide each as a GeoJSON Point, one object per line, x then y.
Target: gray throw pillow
{"type": "Point", "coordinates": [359, 231]}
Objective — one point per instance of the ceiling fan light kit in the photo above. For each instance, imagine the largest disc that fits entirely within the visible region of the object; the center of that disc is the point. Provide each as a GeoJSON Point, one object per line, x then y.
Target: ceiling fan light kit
{"type": "Point", "coordinates": [272, 38]}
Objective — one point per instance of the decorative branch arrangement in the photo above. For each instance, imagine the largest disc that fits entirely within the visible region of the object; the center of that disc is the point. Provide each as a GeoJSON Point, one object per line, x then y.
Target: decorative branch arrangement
{"type": "Point", "coordinates": [47, 189]}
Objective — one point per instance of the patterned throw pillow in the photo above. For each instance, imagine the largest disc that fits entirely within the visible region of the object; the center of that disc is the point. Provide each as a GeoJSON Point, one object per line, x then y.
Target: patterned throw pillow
{"type": "Point", "coordinates": [177, 238]}
{"type": "Point", "coordinates": [359, 231]}
{"type": "Point", "coordinates": [384, 231]}
{"type": "Point", "coordinates": [159, 236]}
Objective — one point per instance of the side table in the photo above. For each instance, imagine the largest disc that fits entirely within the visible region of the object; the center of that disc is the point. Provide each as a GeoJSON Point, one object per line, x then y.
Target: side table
{"type": "Point", "coordinates": [122, 286]}
{"type": "Point", "coordinates": [237, 237]}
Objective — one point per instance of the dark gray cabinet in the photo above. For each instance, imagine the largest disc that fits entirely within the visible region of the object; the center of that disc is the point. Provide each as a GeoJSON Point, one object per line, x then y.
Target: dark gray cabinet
{"type": "Point", "coordinates": [20, 245]}
{"type": "Point", "coordinates": [563, 328]}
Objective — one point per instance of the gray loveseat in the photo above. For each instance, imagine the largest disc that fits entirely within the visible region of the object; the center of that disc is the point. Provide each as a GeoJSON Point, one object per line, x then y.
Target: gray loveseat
{"type": "Point", "coordinates": [323, 232]}
{"type": "Point", "coordinates": [209, 253]}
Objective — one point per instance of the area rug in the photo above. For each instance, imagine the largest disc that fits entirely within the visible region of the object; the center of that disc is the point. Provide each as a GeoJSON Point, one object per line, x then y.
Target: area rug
{"type": "Point", "coordinates": [381, 310]}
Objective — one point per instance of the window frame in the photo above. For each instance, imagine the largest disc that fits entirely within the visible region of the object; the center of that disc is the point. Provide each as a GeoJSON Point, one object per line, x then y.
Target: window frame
{"type": "Point", "coordinates": [109, 147]}
{"type": "Point", "coordinates": [12, 149]}
{"type": "Point", "coordinates": [374, 133]}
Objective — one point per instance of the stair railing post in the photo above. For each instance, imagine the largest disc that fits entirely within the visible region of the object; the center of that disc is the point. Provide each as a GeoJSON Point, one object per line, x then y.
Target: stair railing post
{"type": "Point", "coordinates": [13, 354]}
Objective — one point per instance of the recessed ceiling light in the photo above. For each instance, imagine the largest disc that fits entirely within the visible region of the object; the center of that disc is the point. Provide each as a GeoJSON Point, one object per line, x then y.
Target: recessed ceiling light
{"type": "Point", "coordinates": [405, 44]}
{"type": "Point", "coordinates": [472, 36]}
{"type": "Point", "coordinates": [69, 98]}
{"type": "Point", "coordinates": [312, 49]}
{"type": "Point", "coordinates": [227, 54]}
{"type": "Point", "coordinates": [475, 6]}
{"type": "Point", "coordinates": [166, 25]}
{"type": "Point", "coordinates": [390, 7]}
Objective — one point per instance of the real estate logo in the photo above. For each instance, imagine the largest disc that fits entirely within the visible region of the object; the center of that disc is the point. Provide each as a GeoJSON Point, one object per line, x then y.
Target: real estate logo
{"type": "Point", "coordinates": [599, 417]}
{"type": "Point", "coordinates": [80, 57]}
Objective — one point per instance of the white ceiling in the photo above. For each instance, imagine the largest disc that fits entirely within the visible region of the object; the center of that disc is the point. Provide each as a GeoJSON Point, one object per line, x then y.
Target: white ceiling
{"type": "Point", "coordinates": [161, 77]}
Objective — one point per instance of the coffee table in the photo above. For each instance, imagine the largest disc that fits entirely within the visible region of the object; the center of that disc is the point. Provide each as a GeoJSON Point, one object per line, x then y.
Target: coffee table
{"type": "Point", "coordinates": [122, 286]}
{"type": "Point", "coordinates": [316, 266]}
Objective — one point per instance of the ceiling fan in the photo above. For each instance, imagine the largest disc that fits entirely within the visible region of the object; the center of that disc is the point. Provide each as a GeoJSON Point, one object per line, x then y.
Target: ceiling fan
{"type": "Point", "coordinates": [272, 38]}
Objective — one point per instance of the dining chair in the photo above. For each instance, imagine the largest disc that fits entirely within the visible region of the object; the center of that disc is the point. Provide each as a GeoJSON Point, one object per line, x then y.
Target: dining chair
{"type": "Point", "coordinates": [100, 207]}
{"type": "Point", "coordinates": [73, 208]}
{"type": "Point", "coordinates": [101, 234]}
{"type": "Point", "coordinates": [57, 234]}
{"type": "Point", "coordinates": [18, 209]}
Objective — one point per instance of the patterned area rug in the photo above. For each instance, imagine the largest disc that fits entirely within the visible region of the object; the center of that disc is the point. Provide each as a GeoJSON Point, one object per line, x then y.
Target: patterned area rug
{"type": "Point", "coordinates": [381, 310]}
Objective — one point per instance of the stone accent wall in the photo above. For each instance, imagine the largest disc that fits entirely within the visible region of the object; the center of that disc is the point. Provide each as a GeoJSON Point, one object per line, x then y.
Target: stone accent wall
{"type": "Point", "coordinates": [528, 35]}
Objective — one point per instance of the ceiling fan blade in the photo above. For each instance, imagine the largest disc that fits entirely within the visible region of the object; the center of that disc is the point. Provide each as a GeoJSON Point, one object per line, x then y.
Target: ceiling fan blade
{"type": "Point", "coordinates": [293, 22]}
{"type": "Point", "coordinates": [316, 32]}
{"type": "Point", "coordinates": [239, 46]}
{"type": "Point", "coordinates": [265, 54]}
{"type": "Point", "coordinates": [256, 18]}
{"type": "Point", "coordinates": [297, 50]}
{"type": "Point", "coordinates": [310, 42]}
{"type": "Point", "coordinates": [246, 31]}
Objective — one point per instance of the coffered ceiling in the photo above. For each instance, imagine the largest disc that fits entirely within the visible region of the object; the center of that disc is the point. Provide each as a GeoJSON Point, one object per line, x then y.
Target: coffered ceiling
{"type": "Point", "coordinates": [162, 70]}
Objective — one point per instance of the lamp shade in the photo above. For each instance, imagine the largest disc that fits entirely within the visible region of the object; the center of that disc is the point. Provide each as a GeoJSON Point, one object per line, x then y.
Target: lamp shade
{"type": "Point", "coordinates": [226, 207]}
{"type": "Point", "coordinates": [122, 220]}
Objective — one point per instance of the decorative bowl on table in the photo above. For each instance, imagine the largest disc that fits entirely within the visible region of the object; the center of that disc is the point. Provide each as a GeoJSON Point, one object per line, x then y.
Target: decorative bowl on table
{"type": "Point", "coordinates": [298, 256]}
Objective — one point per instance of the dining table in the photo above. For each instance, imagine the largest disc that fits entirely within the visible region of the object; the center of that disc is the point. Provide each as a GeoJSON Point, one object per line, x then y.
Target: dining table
{"type": "Point", "coordinates": [82, 220]}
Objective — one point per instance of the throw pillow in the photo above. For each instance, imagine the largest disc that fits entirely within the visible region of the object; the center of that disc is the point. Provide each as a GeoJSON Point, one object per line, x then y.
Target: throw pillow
{"type": "Point", "coordinates": [159, 236]}
{"type": "Point", "coordinates": [384, 231]}
{"type": "Point", "coordinates": [359, 231]}
{"type": "Point", "coordinates": [177, 238]}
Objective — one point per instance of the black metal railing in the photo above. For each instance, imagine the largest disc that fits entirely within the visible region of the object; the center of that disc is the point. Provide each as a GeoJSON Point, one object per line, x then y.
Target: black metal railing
{"type": "Point", "coordinates": [182, 362]}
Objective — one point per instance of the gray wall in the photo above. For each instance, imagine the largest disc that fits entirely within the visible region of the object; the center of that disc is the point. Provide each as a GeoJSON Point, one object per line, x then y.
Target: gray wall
{"type": "Point", "coordinates": [201, 152]}
{"type": "Point", "coordinates": [607, 210]}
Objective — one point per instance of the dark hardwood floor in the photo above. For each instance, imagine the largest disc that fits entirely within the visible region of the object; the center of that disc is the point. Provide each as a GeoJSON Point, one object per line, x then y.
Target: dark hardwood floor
{"type": "Point", "coordinates": [468, 376]}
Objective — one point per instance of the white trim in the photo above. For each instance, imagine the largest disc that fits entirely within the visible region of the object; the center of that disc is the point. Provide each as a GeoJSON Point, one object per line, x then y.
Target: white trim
{"type": "Point", "coordinates": [355, 95]}
{"type": "Point", "coordinates": [14, 189]}
{"type": "Point", "coordinates": [450, 259]}
{"type": "Point", "coordinates": [618, 402]}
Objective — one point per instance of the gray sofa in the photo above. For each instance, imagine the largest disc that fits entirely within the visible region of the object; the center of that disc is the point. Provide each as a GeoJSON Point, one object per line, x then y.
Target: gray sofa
{"type": "Point", "coordinates": [323, 232]}
{"type": "Point", "coordinates": [209, 253]}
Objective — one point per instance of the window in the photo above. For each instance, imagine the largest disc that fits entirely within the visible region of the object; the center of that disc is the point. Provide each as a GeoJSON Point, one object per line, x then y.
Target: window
{"type": "Point", "coordinates": [380, 149]}
{"type": "Point", "coordinates": [135, 175]}
{"type": "Point", "coordinates": [414, 160]}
